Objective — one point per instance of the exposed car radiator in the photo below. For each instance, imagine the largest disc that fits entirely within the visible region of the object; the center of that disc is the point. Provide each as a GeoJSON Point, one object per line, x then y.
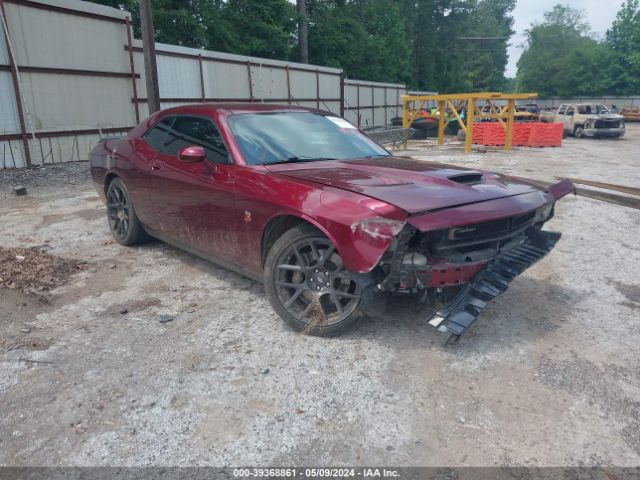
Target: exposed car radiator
{"type": "Point", "coordinates": [491, 282]}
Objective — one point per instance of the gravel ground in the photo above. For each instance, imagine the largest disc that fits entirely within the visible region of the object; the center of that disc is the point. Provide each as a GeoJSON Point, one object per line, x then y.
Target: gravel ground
{"type": "Point", "coordinates": [548, 376]}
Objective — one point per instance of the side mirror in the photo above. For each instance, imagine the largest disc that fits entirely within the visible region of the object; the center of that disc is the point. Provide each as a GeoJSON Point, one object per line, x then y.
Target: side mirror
{"type": "Point", "coordinates": [192, 154]}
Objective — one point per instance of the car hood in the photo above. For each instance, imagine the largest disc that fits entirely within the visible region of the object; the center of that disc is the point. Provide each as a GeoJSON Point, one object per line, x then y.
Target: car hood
{"type": "Point", "coordinates": [413, 185]}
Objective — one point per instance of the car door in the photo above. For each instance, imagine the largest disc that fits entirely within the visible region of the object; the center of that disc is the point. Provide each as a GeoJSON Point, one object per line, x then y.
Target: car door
{"type": "Point", "coordinates": [559, 116]}
{"type": "Point", "coordinates": [568, 119]}
{"type": "Point", "coordinates": [194, 203]}
{"type": "Point", "coordinates": [139, 181]}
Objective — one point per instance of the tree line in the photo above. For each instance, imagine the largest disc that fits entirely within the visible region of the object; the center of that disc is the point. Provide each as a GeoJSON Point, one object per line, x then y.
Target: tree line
{"type": "Point", "coordinates": [562, 56]}
{"type": "Point", "coordinates": [436, 45]}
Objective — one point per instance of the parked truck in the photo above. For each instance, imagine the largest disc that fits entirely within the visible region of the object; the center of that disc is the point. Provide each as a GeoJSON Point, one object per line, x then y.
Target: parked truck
{"type": "Point", "coordinates": [586, 120]}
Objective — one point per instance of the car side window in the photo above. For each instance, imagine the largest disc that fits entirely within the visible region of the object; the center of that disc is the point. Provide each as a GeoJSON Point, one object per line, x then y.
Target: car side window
{"type": "Point", "coordinates": [156, 135]}
{"type": "Point", "coordinates": [200, 131]}
{"type": "Point", "coordinates": [562, 109]}
{"type": "Point", "coordinates": [570, 111]}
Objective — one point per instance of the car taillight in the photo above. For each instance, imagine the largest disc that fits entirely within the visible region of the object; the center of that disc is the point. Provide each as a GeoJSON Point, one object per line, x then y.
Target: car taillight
{"type": "Point", "coordinates": [379, 227]}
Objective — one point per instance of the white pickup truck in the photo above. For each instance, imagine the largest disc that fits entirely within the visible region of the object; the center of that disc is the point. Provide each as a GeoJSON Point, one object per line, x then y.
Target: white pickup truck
{"type": "Point", "coordinates": [586, 120]}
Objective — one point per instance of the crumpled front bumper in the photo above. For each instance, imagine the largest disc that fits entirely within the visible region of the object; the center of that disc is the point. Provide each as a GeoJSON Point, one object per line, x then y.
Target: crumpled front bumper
{"type": "Point", "coordinates": [491, 282]}
{"type": "Point", "coordinates": [603, 132]}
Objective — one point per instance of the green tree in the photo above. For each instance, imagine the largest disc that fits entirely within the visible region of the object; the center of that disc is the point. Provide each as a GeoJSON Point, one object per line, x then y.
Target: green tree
{"type": "Point", "coordinates": [561, 59]}
{"type": "Point", "coordinates": [364, 37]}
{"type": "Point", "coordinates": [263, 28]}
{"type": "Point", "coordinates": [623, 39]}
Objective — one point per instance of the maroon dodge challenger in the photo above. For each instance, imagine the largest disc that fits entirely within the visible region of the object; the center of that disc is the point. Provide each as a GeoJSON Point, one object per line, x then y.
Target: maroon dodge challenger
{"type": "Point", "coordinates": [326, 218]}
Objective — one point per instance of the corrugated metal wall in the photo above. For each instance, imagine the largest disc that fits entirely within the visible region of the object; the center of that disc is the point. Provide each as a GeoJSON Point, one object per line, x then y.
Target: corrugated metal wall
{"type": "Point", "coordinates": [372, 103]}
{"type": "Point", "coordinates": [74, 62]}
{"type": "Point", "coordinates": [81, 76]}
{"type": "Point", "coordinates": [188, 75]}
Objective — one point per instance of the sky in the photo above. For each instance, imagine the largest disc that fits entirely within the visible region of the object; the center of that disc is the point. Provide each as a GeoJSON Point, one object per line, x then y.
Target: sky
{"type": "Point", "coordinates": [599, 13]}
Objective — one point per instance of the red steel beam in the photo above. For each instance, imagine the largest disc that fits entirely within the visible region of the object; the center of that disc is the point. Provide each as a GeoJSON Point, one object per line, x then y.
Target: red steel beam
{"type": "Point", "coordinates": [65, 133]}
{"type": "Point", "coordinates": [202, 93]}
{"type": "Point", "coordinates": [238, 100]}
{"type": "Point", "coordinates": [318, 88]}
{"type": "Point", "coordinates": [134, 87]}
{"type": "Point", "coordinates": [16, 91]}
{"type": "Point", "coordinates": [231, 61]}
{"type": "Point", "coordinates": [288, 85]}
{"type": "Point", "coordinates": [69, 71]}
{"type": "Point", "coordinates": [250, 80]}
{"type": "Point", "coordinates": [342, 94]}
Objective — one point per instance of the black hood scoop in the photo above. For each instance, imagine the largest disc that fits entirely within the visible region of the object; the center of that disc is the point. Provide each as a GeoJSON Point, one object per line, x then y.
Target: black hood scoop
{"type": "Point", "coordinates": [467, 178]}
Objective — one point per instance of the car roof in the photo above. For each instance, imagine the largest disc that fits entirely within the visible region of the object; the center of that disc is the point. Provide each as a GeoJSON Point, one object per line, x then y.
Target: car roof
{"type": "Point", "coordinates": [231, 108]}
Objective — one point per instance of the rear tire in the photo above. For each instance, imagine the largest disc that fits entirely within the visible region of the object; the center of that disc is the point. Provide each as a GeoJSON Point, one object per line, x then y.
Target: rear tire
{"type": "Point", "coordinates": [123, 221]}
{"type": "Point", "coordinates": [308, 286]}
{"type": "Point", "coordinates": [577, 132]}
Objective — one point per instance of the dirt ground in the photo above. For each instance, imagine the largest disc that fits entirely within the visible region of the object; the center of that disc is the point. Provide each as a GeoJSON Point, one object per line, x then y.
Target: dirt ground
{"type": "Point", "coordinates": [549, 375]}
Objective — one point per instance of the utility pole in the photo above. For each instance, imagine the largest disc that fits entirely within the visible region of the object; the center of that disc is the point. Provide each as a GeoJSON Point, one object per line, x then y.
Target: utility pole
{"type": "Point", "coordinates": [303, 32]}
{"type": "Point", "coordinates": [149, 52]}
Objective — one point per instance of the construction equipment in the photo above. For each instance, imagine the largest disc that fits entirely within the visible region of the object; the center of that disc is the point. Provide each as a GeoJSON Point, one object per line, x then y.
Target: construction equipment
{"type": "Point", "coordinates": [465, 108]}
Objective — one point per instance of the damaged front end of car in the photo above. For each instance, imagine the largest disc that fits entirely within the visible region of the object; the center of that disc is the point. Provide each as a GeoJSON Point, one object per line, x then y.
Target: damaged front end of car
{"type": "Point", "coordinates": [458, 268]}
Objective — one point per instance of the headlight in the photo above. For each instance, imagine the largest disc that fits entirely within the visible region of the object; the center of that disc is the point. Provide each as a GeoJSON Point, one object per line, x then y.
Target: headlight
{"type": "Point", "coordinates": [379, 227]}
{"type": "Point", "coordinates": [545, 212]}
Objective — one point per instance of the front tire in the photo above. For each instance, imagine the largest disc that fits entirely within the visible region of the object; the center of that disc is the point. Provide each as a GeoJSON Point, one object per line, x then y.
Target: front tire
{"type": "Point", "coordinates": [123, 221]}
{"type": "Point", "coordinates": [308, 286]}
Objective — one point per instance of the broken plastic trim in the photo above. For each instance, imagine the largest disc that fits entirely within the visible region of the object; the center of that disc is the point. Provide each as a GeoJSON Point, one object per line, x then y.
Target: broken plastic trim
{"type": "Point", "coordinates": [491, 282]}
{"type": "Point", "coordinates": [379, 227]}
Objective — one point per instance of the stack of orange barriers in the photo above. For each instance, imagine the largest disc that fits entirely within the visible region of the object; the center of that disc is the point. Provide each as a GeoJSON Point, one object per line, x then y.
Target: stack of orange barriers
{"type": "Point", "coordinates": [525, 134]}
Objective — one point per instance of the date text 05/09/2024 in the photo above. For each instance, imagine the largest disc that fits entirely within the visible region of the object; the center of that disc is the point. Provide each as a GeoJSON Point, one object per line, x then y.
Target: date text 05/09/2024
{"type": "Point", "coordinates": [286, 473]}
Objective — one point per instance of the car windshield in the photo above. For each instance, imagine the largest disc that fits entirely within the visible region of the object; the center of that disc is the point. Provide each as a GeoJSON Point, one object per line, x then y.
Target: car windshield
{"type": "Point", "coordinates": [592, 109]}
{"type": "Point", "coordinates": [299, 136]}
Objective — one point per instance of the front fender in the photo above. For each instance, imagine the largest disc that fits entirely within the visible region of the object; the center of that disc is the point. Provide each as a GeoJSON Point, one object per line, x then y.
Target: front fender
{"type": "Point", "coordinates": [339, 215]}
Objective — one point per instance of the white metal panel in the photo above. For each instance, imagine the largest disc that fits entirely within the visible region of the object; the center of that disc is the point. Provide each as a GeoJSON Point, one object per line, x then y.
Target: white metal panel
{"type": "Point", "coordinates": [44, 38]}
{"type": "Point", "coordinates": [4, 56]}
{"type": "Point", "coordinates": [352, 116]}
{"type": "Point", "coordinates": [333, 107]}
{"type": "Point", "coordinates": [350, 96]}
{"type": "Point", "coordinates": [71, 102]}
{"type": "Point", "coordinates": [365, 96]}
{"type": "Point", "coordinates": [178, 77]}
{"type": "Point", "coordinates": [378, 95]}
{"type": "Point", "coordinates": [303, 84]}
{"type": "Point", "coordinates": [12, 154]}
{"type": "Point", "coordinates": [268, 82]}
{"type": "Point", "coordinates": [224, 80]}
{"type": "Point", "coordinates": [329, 86]}
{"type": "Point", "coordinates": [8, 113]}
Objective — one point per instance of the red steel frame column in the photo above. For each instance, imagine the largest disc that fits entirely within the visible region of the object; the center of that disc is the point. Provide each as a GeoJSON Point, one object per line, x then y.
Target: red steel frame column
{"type": "Point", "coordinates": [358, 103]}
{"type": "Point", "coordinates": [16, 90]}
{"type": "Point", "coordinates": [373, 105]}
{"type": "Point", "coordinates": [342, 86]}
{"type": "Point", "coordinates": [318, 88]}
{"type": "Point", "coordinates": [250, 80]}
{"type": "Point", "coordinates": [133, 71]}
{"type": "Point", "coordinates": [202, 92]}
{"type": "Point", "coordinates": [288, 85]}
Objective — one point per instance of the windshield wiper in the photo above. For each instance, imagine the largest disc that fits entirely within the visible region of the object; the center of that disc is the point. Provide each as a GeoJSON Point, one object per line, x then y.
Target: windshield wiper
{"type": "Point", "coordinates": [295, 159]}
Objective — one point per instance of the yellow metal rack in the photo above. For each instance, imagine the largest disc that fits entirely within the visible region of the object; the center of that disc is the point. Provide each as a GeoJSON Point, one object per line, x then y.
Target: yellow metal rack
{"type": "Point", "coordinates": [505, 114]}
